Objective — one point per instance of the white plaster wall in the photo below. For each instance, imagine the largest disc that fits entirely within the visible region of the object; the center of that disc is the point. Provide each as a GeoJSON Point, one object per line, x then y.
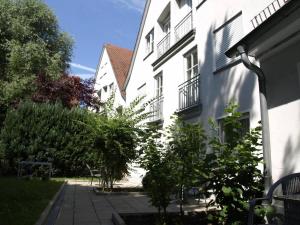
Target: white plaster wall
{"type": "Point", "coordinates": [283, 92]}
{"type": "Point", "coordinates": [104, 77]}
{"type": "Point", "coordinates": [236, 83]}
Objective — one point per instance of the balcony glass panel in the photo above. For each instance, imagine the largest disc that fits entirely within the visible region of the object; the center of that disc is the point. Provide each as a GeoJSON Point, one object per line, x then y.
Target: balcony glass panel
{"type": "Point", "coordinates": [163, 45]}
{"type": "Point", "coordinates": [183, 27]}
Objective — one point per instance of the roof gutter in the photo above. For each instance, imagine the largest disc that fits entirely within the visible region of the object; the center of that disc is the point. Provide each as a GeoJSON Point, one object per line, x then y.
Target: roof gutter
{"type": "Point", "coordinates": [264, 115]}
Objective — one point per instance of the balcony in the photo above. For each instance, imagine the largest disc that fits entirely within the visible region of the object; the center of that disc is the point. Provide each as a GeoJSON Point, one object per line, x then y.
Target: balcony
{"type": "Point", "coordinates": [163, 45]}
{"type": "Point", "coordinates": [189, 93]}
{"type": "Point", "coordinates": [156, 109]}
{"type": "Point", "coordinates": [184, 27]}
{"type": "Point", "coordinates": [267, 12]}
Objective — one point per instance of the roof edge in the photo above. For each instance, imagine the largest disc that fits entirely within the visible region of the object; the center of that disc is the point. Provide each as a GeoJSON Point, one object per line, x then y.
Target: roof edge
{"type": "Point", "coordinates": [137, 43]}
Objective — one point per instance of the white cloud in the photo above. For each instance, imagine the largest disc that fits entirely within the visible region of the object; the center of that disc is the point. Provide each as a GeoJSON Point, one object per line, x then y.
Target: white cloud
{"type": "Point", "coordinates": [79, 66]}
{"type": "Point", "coordinates": [84, 75]}
{"type": "Point", "coordinates": [137, 5]}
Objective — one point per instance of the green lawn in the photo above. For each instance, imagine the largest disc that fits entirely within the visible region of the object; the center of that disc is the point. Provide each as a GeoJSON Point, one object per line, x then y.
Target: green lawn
{"type": "Point", "coordinates": [23, 201]}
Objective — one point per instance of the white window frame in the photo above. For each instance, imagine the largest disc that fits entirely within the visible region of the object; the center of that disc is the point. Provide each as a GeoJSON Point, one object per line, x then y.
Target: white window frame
{"type": "Point", "coordinates": [166, 25]}
{"type": "Point", "coordinates": [189, 71]}
{"type": "Point", "coordinates": [158, 85]}
{"type": "Point", "coordinates": [233, 36]}
{"type": "Point", "coordinates": [150, 42]}
{"type": "Point", "coordinates": [221, 131]}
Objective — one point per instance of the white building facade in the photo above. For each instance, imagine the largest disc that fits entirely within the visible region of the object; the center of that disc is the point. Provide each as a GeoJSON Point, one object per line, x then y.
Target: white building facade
{"type": "Point", "coordinates": [179, 61]}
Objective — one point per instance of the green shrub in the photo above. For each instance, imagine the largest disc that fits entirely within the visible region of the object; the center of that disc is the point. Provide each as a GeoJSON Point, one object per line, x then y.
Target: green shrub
{"type": "Point", "coordinates": [44, 132]}
{"type": "Point", "coordinates": [159, 181]}
{"type": "Point", "coordinates": [186, 143]}
{"type": "Point", "coordinates": [234, 163]}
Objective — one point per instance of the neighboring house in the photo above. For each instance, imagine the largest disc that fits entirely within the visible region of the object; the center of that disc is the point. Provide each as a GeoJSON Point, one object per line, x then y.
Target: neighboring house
{"type": "Point", "coordinates": [112, 72]}
{"type": "Point", "coordinates": [179, 62]}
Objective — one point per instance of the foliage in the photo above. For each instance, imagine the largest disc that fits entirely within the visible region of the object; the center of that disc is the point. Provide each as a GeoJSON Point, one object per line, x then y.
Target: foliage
{"type": "Point", "coordinates": [30, 44]}
{"type": "Point", "coordinates": [23, 201]}
{"type": "Point", "coordinates": [117, 132]}
{"type": "Point", "coordinates": [71, 91]}
{"type": "Point", "coordinates": [235, 175]}
{"type": "Point", "coordinates": [186, 143]}
{"type": "Point", "coordinates": [44, 132]}
{"type": "Point", "coordinates": [159, 181]}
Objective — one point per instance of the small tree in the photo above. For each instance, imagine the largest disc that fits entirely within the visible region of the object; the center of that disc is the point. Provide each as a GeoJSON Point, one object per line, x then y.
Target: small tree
{"type": "Point", "coordinates": [159, 181]}
{"type": "Point", "coordinates": [235, 175]}
{"type": "Point", "coordinates": [186, 144]}
{"type": "Point", "coordinates": [117, 132]}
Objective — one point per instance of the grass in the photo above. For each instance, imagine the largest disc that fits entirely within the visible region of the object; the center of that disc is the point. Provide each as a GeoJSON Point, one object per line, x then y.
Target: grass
{"type": "Point", "coordinates": [23, 201]}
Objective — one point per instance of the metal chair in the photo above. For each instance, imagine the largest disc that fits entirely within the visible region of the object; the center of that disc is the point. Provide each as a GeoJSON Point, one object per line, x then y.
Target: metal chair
{"type": "Point", "coordinates": [287, 190]}
{"type": "Point", "coordinates": [94, 173]}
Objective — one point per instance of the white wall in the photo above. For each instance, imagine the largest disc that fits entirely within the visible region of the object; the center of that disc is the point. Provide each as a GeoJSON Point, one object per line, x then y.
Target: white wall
{"type": "Point", "coordinates": [235, 83]}
{"type": "Point", "coordinates": [283, 92]}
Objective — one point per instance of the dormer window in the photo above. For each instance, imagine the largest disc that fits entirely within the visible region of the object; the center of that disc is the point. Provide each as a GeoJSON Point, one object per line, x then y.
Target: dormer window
{"type": "Point", "coordinates": [105, 88]}
{"type": "Point", "coordinates": [184, 3]}
{"type": "Point", "coordinates": [166, 25]}
{"type": "Point", "coordinates": [150, 42]}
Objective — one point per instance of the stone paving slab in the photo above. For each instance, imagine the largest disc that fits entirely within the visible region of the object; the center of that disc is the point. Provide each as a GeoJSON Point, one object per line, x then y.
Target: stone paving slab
{"type": "Point", "coordinates": [81, 206]}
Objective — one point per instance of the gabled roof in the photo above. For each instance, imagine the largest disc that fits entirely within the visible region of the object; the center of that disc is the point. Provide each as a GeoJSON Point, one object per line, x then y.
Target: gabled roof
{"type": "Point", "coordinates": [120, 59]}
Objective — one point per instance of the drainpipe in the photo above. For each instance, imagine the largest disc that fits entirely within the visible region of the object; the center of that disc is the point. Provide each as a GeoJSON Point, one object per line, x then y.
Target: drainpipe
{"type": "Point", "coordinates": [264, 115]}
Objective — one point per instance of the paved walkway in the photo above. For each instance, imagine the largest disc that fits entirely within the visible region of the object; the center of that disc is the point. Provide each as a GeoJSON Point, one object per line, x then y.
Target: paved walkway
{"type": "Point", "coordinates": [81, 206]}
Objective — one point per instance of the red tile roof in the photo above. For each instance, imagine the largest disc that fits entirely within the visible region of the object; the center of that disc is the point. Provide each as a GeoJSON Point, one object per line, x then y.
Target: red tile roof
{"type": "Point", "coordinates": [120, 59]}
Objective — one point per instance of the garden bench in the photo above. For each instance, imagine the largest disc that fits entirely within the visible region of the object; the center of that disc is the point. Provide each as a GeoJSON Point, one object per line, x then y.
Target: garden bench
{"type": "Point", "coordinates": [94, 173]}
{"type": "Point", "coordinates": [287, 191]}
{"type": "Point", "coordinates": [22, 164]}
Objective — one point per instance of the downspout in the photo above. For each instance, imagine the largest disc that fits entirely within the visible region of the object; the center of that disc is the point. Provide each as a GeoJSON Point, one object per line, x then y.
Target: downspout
{"type": "Point", "coordinates": [264, 116]}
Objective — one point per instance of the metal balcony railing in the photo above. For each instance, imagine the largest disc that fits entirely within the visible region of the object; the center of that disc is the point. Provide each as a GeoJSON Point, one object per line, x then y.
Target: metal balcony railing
{"type": "Point", "coordinates": [183, 27]}
{"type": "Point", "coordinates": [267, 12]}
{"type": "Point", "coordinates": [189, 93]}
{"type": "Point", "coordinates": [156, 109]}
{"type": "Point", "coordinates": [163, 45]}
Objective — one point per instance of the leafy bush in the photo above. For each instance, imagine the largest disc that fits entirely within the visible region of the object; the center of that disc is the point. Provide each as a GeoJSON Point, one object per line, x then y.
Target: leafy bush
{"type": "Point", "coordinates": [159, 181]}
{"type": "Point", "coordinates": [186, 144]}
{"type": "Point", "coordinates": [117, 134]}
{"type": "Point", "coordinates": [44, 132]}
{"type": "Point", "coordinates": [235, 176]}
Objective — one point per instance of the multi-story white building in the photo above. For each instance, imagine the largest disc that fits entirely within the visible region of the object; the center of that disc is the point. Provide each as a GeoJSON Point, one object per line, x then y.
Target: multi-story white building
{"type": "Point", "coordinates": [112, 72]}
{"type": "Point", "coordinates": [179, 63]}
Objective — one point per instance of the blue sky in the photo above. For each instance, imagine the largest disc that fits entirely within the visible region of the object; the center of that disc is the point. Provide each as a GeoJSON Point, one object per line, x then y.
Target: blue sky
{"type": "Point", "coordinates": [92, 23]}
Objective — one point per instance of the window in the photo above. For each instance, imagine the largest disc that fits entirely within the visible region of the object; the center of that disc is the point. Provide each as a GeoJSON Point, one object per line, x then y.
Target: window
{"type": "Point", "coordinates": [99, 93]}
{"type": "Point", "coordinates": [105, 88]}
{"type": "Point", "coordinates": [111, 88]}
{"type": "Point", "coordinates": [158, 85]}
{"type": "Point", "coordinates": [150, 42]}
{"type": "Point", "coordinates": [191, 64]}
{"type": "Point", "coordinates": [245, 127]}
{"type": "Point", "coordinates": [225, 36]}
{"type": "Point", "coordinates": [183, 3]}
{"type": "Point", "coordinates": [166, 26]}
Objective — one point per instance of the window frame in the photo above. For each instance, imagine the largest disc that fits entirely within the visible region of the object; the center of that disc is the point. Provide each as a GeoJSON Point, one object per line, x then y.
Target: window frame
{"type": "Point", "coordinates": [221, 130]}
{"type": "Point", "coordinates": [228, 62]}
{"type": "Point", "coordinates": [149, 42]}
{"type": "Point", "coordinates": [158, 82]}
{"type": "Point", "coordinates": [189, 72]}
